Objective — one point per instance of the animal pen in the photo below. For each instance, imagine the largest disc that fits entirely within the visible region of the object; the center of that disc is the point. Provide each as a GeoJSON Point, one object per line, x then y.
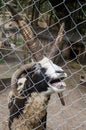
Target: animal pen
{"type": "Point", "coordinates": [61, 23]}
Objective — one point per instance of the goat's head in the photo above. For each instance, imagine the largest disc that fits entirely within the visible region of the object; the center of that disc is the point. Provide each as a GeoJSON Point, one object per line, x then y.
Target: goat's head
{"type": "Point", "coordinates": [43, 76]}
{"type": "Point", "coordinates": [53, 75]}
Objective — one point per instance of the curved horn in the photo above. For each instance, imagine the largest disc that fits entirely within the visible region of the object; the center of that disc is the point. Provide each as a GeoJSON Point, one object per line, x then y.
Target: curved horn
{"type": "Point", "coordinates": [35, 48]}
{"type": "Point", "coordinates": [58, 42]}
{"type": "Point", "coordinates": [16, 76]}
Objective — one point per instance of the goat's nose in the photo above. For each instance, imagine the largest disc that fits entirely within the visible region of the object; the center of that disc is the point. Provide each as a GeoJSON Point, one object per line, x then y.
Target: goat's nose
{"type": "Point", "coordinates": [59, 71]}
{"type": "Point", "coordinates": [62, 73]}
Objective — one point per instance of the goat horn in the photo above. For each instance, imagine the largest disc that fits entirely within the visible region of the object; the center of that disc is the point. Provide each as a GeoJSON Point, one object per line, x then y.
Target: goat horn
{"type": "Point", "coordinates": [27, 34]}
{"type": "Point", "coordinates": [61, 98]}
{"type": "Point", "coordinates": [16, 76]}
{"type": "Point", "coordinates": [58, 42]}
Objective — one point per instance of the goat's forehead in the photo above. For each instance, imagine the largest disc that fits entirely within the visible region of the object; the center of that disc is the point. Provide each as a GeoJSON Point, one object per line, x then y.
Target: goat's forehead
{"type": "Point", "coordinates": [47, 63]}
{"type": "Point", "coordinates": [21, 80]}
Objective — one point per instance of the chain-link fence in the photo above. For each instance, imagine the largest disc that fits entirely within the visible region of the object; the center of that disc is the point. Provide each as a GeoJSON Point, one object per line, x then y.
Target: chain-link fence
{"type": "Point", "coordinates": [29, 30]}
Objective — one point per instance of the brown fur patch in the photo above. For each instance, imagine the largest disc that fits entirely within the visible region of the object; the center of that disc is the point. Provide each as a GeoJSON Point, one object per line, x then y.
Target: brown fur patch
{"type": "Point", "coordinates": [34, 111]}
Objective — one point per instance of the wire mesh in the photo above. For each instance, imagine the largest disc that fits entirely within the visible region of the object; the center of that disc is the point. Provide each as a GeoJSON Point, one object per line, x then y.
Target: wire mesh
{"type": "Point", "coordinates": [44, 19]}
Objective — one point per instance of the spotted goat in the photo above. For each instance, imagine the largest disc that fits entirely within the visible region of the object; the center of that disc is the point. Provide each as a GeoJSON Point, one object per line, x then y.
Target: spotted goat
{"type": "Point", "coordinates": [32, 85]}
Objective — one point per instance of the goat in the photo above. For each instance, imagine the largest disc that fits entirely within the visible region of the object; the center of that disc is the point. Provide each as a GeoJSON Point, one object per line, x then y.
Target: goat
{"type": "Point", "coordinates": [35, 87]}
{"type": "Point", "coordinates": [32, 85]}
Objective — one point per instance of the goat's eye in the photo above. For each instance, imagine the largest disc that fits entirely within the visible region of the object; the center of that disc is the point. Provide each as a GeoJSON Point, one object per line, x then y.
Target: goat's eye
{"type": "Point", "coordinates": [19, 84]}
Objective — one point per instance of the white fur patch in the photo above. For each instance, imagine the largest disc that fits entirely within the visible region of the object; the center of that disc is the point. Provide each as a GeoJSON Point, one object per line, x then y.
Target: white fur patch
{"type": "Point", "coordinates": [52, 70]}
{"type": "Point", "coordinates": [21, 83]}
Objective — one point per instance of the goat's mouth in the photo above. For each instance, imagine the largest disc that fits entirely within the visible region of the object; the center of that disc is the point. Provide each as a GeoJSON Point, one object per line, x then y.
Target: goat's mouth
{"type": "Point", "coordinates": [57, 85]}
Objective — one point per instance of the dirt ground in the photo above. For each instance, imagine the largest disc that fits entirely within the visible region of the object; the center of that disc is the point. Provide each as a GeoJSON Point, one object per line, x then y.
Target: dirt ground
{"type": "Point", "coordinates": [72, 116]}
